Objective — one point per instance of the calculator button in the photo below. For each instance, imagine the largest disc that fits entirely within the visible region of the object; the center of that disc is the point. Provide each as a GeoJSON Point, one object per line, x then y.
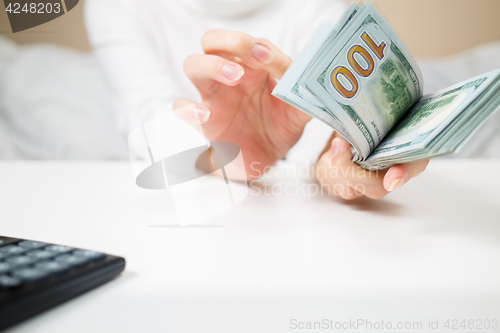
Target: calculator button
{"type": "Point", "coordinates": [12, 250]}
{"type": "Point", "coordinates": [29, 274]}
{"type": "Point", "coordinates": [20, 261]}
{"type": "Point", "coordinates": [71, 260]}
{"type": "Point", "coordinates": [7, 282]}
{"type": "Point", "coordinates": [32, 245]}
{"type": "Point", "coordinates": [52, 267]}
{"type": "Point", "coordinates": [5, 267]}
{"type": "Point", "coordinates": [3, 256]}
{"type": "Point", "coordinates": [91, 255]}
{"type": "Point", "coordinates": [60, 249]}
{"type": "Point", "coordinates": [40, 255]}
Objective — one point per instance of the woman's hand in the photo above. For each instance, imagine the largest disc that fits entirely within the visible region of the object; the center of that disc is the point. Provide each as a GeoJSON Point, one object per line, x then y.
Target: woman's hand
{"type": "Point", "coordinates": [235, 78]}
{"type": "Point", "coordinates": [341, 177]}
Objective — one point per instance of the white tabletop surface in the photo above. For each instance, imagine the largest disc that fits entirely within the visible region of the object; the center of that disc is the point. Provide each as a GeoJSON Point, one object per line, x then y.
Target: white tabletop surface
{"type": "Point", "coordinates": [429, 251]}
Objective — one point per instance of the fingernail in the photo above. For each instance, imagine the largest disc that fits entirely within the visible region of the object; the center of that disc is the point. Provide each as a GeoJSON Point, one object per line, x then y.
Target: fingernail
{"type": "Point", "coordinates": [335, 147]}
{"type": "Point", "coordinates": [201, 113]}
{"type": "Point", "coordinates": [232, 72]}
{"type": "Point", "coordinates": [263, 54]}
{"type": "Point", "coordinates": [396, 184]}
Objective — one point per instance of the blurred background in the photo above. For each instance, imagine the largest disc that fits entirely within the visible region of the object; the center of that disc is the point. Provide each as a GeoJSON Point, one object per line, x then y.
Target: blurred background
{"type": "Point", "coordinates": [69, 118]}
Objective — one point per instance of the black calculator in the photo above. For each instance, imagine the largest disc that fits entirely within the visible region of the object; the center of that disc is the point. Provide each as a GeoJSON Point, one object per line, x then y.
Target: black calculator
{"type": "Point", "coordinates": [35, 276]}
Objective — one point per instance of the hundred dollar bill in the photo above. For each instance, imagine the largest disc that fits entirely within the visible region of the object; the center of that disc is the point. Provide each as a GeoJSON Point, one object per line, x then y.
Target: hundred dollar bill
{"type": "Point", "coordinates": [367, 78]}
{"type": "Point", "coordinates": [359, 78]}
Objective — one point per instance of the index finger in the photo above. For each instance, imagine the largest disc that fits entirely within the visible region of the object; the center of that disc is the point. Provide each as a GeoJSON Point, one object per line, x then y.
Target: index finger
{"type": "Point", "coordinates": [252, 52]}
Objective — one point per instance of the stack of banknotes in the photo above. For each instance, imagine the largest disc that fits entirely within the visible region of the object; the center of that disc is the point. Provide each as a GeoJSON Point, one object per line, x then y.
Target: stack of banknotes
{"type": "Point", "coordinates": [359, 78]}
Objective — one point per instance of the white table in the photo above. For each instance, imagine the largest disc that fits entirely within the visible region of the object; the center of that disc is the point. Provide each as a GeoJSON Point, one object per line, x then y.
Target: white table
{"type": "Point", "coordinates": [429, 251]}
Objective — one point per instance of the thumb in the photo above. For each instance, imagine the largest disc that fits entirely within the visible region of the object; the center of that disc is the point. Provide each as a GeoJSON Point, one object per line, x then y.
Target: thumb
{"type": "Point", "coordinates": [341, 152]}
